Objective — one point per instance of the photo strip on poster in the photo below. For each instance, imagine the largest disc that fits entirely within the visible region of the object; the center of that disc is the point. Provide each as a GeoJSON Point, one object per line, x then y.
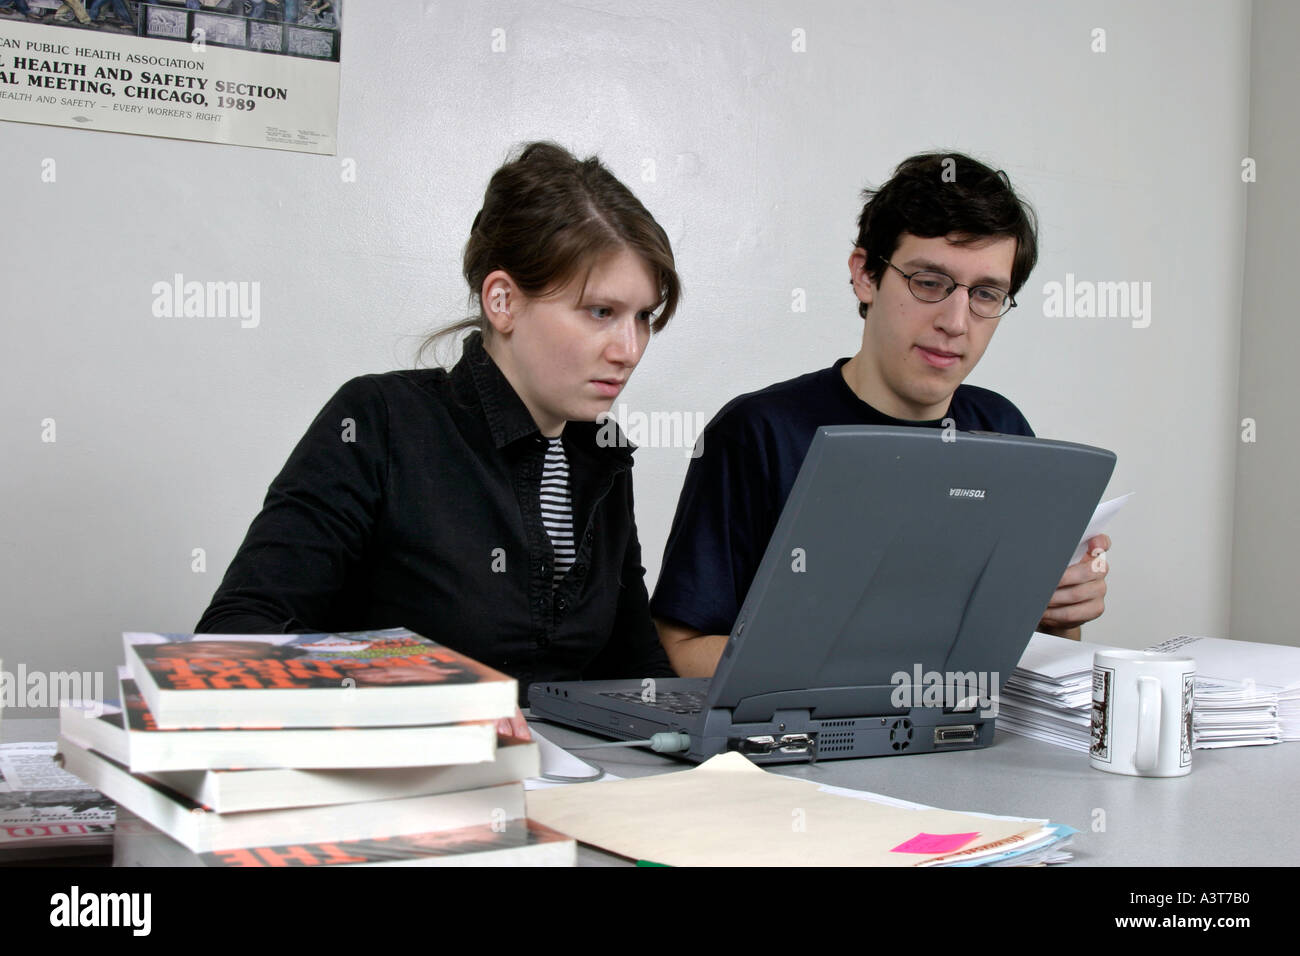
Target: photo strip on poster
{"type": "Point", "coordinates": [242, 72]}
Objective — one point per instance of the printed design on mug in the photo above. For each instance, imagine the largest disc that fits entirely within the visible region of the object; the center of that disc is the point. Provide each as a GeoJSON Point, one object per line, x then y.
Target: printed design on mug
{"type": "Point", "coordinates": [1185, 743]}
{"type": "Point", "coordinates": [1103, 678]}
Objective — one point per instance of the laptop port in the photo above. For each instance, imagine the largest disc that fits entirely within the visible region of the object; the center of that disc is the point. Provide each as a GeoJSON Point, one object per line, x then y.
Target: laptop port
{"type": "Point", "coordinates": [955, 734]}
{"type": "Point", "coordinates": [796, 743]}
{"type": "Point", "coordinates": [761, 744]}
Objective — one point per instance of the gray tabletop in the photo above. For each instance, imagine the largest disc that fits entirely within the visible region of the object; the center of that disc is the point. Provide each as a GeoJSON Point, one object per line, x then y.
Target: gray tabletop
{"type": "Point", "coordinates": [1236, 808]}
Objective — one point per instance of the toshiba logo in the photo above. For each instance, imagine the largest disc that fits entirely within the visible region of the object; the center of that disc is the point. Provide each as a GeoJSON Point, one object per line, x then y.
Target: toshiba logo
{"type": "Point", "coordinates": [965, 492]}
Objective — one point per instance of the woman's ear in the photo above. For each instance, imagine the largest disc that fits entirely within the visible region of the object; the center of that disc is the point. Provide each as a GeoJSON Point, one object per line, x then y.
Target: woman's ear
{"type": "Point", "coordinates": [498, 296]}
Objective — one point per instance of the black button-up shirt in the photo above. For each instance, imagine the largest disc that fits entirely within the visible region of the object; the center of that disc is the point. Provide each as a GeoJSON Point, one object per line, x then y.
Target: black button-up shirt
{"type": "Point", "coordinates": [412, 501]}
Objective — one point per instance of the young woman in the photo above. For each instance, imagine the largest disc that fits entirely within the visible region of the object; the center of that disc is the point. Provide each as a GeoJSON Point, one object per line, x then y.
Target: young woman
{"type": "Point", "coordinates": [484, 507]}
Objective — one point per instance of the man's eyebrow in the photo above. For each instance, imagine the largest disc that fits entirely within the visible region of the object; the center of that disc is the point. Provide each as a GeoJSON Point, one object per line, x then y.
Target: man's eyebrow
{"type": "Point", "coordinates": [928, 265]}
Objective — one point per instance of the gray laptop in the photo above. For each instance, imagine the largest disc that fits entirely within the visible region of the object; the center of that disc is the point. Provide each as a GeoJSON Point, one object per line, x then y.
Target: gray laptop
{"type": "Point", "coordinates": [901, 585]}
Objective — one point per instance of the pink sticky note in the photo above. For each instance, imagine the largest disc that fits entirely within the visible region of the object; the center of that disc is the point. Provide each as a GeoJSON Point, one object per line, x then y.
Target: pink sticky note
{"type": "Point", "coordinates": [930, 843]}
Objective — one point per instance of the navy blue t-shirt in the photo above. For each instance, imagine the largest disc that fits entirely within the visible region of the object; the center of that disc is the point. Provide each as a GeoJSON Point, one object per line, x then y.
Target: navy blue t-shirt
{"type": "Point", "coordinates": [736, 487]}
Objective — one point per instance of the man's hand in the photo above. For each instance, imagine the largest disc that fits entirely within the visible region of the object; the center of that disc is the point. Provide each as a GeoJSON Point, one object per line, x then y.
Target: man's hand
{"type": "Point", "coordinates": [1080, 597]}
{"type": "Point", "coordinates": [514, 726]}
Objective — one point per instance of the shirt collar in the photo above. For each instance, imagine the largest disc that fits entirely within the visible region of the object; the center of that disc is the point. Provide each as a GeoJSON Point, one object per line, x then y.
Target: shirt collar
{"type": "Point", "coordinates": [508, 418]}
{"type": "Point", "coordinates": [846, 394]}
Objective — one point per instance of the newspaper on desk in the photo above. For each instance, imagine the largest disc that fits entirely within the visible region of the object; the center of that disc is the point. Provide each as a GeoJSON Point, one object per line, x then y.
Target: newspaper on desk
{"type": "Point", "coordinates": [46, 809]}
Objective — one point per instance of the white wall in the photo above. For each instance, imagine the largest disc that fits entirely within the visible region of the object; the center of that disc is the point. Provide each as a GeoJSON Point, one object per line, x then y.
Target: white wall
{"type": "Point", "coordinates": [1267, 525]}
{"type": "Point", "coordinates": [170, 429]}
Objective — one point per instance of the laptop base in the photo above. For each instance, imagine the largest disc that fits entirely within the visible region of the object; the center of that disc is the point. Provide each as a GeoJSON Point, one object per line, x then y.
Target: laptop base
{"type": "Point", "coordinates": [616, 709]}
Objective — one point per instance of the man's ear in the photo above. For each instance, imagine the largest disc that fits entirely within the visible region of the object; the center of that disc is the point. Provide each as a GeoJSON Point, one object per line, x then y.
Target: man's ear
{"type": "Point", "coordinates": [498, 295]}
{"type": "Point", "coordinates": [863, 287]}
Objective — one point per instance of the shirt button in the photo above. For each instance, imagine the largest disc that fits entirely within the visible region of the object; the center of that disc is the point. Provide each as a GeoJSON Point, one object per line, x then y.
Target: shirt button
{"type": "Point", "coordinates": [561, 605]}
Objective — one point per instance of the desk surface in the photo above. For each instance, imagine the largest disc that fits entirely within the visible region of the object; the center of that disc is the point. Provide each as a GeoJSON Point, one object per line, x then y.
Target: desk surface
{"type": "Point", "coordinates": [1234, 809]}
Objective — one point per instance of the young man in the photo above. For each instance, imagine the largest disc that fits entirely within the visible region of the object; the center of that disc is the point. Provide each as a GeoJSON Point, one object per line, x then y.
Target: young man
{"type": "Point", "coordinates": [942, 249]}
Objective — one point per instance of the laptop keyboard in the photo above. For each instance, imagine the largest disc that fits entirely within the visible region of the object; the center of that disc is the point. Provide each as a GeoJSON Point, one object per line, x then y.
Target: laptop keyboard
{"type": "Point", "coordinates": [675, 702]}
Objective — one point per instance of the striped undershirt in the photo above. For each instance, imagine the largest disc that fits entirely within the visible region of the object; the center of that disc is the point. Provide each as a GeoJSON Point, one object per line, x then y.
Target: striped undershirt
{"type": "Point", "coordinates": [557, 508]}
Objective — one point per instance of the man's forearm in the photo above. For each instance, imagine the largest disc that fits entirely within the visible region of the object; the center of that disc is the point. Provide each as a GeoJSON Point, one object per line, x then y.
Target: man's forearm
{"type": "Point", "coordinates": [692, 653]}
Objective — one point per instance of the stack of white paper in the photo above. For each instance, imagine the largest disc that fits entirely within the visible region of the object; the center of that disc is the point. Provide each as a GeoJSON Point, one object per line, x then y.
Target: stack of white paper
{"type": "Point", "coordinates": [1049, 694]}
{"type": "Point", "coordinates": [1246, 693]}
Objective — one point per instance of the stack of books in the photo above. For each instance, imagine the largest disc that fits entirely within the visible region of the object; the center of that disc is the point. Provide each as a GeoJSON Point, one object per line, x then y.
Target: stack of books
{"type": "Point", "coordinates": [377, 747]}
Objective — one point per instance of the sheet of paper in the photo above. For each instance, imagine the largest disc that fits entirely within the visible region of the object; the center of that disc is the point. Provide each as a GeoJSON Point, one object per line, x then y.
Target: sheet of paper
{"type": "Point", "coordinates": [1059, 657]}
{"type": "Point", "coordinates": [1270, 667]}
{"type": "Point", "coordinates": [560, 763]}
{"type": "Point", "coordinates": [873, 797]}
{"type": "Point", "coordinates": [1101, 519]}
{"type": "Point", "coordinates": [729, 812]}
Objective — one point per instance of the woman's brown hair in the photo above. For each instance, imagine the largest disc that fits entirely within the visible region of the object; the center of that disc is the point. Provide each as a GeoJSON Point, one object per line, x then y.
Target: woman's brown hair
{"type": "Point", "coordinates": [548, 218]}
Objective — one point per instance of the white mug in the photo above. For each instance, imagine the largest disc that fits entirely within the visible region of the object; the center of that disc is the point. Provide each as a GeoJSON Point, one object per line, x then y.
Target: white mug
{"type": "Point", "coordinates": [1142, 713]}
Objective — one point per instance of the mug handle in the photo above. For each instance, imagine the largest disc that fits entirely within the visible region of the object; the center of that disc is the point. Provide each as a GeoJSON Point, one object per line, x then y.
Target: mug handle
{"type": "Point", "coordinates": [1148, 735]}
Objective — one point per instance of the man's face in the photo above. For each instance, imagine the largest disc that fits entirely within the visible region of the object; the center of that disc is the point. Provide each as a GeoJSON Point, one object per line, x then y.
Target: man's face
{"type": "Point", "coordinates": [915, 354]}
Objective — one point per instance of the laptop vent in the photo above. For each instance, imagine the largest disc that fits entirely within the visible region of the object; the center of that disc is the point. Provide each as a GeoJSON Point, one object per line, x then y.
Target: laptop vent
{"type": "Point", "coordinates": [900, 734]}
{"type": "Point", "coordinates": [837, 736]}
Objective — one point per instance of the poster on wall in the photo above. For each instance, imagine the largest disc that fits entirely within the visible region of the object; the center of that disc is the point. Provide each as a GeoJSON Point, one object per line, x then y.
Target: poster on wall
{"type": "Point", "coordinates": [243, 72]}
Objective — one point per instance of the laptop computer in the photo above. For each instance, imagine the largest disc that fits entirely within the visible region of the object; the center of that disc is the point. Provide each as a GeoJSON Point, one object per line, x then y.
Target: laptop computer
{"type": "Point", "coordinates": [901, 585]}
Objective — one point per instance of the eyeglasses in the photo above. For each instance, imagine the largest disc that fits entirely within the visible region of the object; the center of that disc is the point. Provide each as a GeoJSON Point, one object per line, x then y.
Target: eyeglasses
{"type": "Point", "coordinates": [986, 301]}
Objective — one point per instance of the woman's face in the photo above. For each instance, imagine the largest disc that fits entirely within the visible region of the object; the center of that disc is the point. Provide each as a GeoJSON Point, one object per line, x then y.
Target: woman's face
{"type": "Point", "coordinates": [569, 357]}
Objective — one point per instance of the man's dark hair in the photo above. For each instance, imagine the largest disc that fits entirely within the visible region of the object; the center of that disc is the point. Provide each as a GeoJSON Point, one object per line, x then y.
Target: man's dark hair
{"type": "Point", "coordinates": [945, 194]}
